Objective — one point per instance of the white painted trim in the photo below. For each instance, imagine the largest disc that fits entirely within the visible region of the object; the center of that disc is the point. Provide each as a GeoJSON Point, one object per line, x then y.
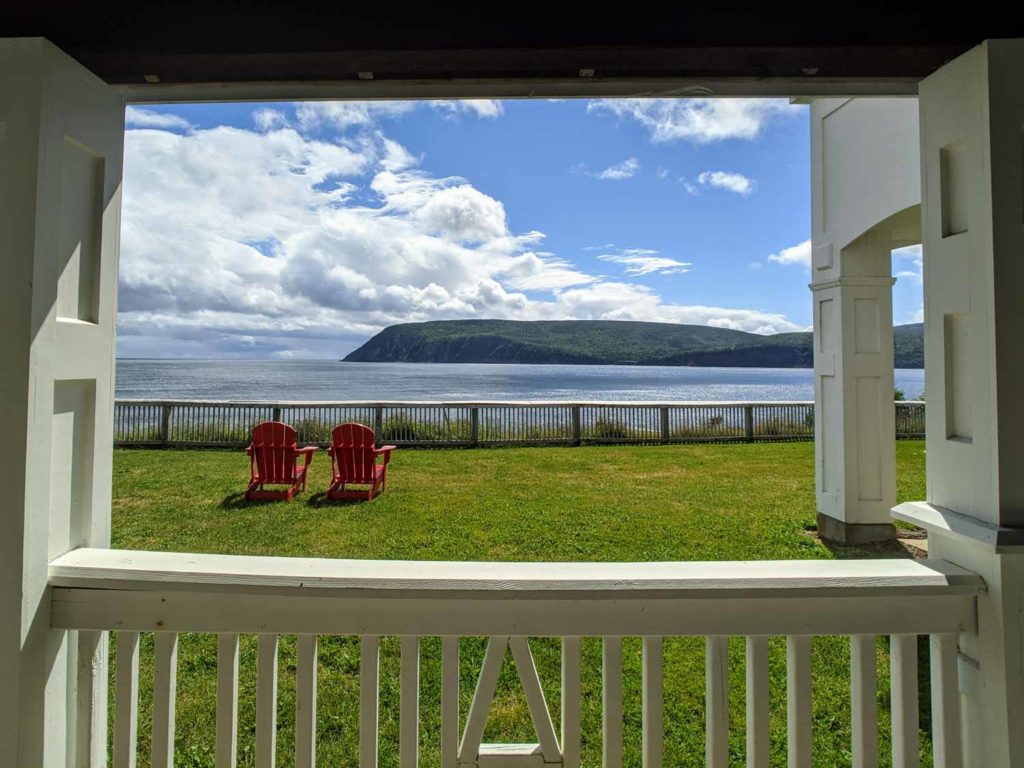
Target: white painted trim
{"type": "Point", "coordinates": [111, 569]}
{"type": "Point", "coordinates": [946, 522]}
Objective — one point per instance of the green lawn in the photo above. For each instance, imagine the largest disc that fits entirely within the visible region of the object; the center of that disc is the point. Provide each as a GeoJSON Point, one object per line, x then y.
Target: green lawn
{"type": "Point", "coordinates": [691, 502]}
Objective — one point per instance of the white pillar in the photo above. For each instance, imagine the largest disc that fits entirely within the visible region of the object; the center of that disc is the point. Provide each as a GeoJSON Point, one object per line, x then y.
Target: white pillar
{"type": "Point", "coordinates": [972, 139]}
{"type": "Point", "coordinates": [61, 133]}
{"type": "Point", "coordinates": [866, 189]}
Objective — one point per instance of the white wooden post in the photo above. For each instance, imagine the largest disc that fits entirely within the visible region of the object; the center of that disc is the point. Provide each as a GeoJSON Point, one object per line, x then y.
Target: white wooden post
{"type": "Point", "coordinates": [61, 133]}
{"type": "Point", "coordinates": [972, 144]}
{"type": "Point", "coordinates": [866, 188]}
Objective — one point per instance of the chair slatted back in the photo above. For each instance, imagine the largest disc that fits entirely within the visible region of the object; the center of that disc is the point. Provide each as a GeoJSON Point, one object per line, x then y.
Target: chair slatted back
{"type": "Point", "coordinates": [354, 458]}
{"type": "Point", "coordinates": [274, 446]}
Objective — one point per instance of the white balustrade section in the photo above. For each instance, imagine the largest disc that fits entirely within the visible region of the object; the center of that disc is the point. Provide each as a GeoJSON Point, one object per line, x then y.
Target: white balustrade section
{"type": "Point", "coordinates": [507, 603]}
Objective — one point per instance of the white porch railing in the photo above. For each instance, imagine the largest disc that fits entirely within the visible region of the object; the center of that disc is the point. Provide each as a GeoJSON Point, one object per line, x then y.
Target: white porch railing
{"type": "Point", "coordinates": [167, 593]}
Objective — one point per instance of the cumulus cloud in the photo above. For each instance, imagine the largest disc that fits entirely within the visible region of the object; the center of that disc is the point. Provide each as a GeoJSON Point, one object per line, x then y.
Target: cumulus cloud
{"type": "Point", "coordinates": [701, 121]}
{"type": "Point", "coordinates": [139, 117]}
{"type": "Point", "coordinates": [644, 261]}
{"type": "Point", "coordinates": [731, 182]}
{"type": "Point", "coordinates": [799, 254]}
{"type": "Point", "coordinates": [267, 119]}
{"type": "Point", "coordinates": [298, 238]}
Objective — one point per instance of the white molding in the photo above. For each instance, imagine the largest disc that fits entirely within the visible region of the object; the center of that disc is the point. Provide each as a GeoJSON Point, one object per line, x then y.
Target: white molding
{"type": "Point", "coordinates": [852, 282]}
{"type": "Point", "coordinates": [946, 522]}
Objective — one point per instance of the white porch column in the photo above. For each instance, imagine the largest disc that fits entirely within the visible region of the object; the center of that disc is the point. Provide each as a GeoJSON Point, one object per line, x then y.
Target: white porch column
{"type": "Point", "coordinates": [865, 183]}
{"type": "Point", "coordinates": [61, 133]}
{"type": "Point", "coordinates": [972, 138]}
{"type": "Point", "coordinates": [855, 430]}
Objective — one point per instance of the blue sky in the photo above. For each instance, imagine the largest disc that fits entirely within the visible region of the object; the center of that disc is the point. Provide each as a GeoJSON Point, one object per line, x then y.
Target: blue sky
{"type": "Point", "coordinates": [299, 230]}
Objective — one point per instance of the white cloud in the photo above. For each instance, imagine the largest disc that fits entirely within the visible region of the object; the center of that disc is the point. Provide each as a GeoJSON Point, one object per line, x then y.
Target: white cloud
{"type": "Point", "coordinates": [138, 117]}
{"type": "Point", "coordinates": [644, 261]}
{"type": "Point", "coordinates": [267, 119]}
{"type": "Point", "coordinates": [701, 121]}
{"type": "Point", "coordinates": [732, 182]}
{"type": "Point", "coordinates": [625, 170]}
{"type": "Point", "coordinates": [346, 114]}
{"type": "Point", "coordinates": [799, 254]}
{"type": "Point", "coordinates": [271, 242]}
{"type": "Point", "coordinates": [485, 108]}
{"type": "Point", "coordinates": [911, 255]}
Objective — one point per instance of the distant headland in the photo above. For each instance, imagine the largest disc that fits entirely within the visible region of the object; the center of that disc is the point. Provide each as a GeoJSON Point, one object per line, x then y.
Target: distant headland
{"type": "Point", "coordinates": [604, 342]}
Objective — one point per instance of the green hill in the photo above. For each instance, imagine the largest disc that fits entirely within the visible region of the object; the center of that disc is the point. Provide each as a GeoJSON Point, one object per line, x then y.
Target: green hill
{"type": "Point", "coordinates": [603, 342]}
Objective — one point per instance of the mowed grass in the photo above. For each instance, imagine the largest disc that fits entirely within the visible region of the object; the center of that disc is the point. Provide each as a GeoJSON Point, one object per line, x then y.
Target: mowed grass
{"type": "Point", "coordinates": [616, 503]}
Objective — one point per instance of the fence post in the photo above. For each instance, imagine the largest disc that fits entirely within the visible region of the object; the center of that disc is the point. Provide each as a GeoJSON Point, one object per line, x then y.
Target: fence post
{"type": "Point", "coordinates": [664, 424]}
{"type": "Point", "coordinates": [748, 422]}
{"type": "Point", "coordinates": [474, 425]}
{"type": "Point", "coordinates": [275, 413]}
{"type": "Point", "coordinates": [577, 431]}
{"type": "Point", "coordinates": [165, 424]}
{"type": "Point", "coordinates": [378, 425]}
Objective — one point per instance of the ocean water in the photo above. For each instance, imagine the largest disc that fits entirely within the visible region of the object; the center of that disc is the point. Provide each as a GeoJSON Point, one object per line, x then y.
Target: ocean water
{"type": "Point", "coordinates": [330, 380]}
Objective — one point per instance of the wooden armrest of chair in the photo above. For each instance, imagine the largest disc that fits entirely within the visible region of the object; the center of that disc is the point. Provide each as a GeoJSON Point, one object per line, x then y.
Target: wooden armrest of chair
{"type": "Point", "coordinates": [385, 451]}
{"type": "Point", "coordinates": [308, 452]}
{"type": "Point", "coordinates": [248, 449]}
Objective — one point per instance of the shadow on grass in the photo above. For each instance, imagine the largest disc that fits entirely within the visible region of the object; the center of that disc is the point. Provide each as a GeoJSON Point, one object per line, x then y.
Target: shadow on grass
{"type": "Point", "coordinates": [879, 550]}
{"type": "Point", "coordinates": [238, 501]}
{"type": "Point", "coordinates": [320, 500]}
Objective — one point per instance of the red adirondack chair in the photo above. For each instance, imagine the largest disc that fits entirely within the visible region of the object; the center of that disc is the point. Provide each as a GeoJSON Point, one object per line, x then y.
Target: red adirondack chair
{"type": "Point", "coordinates": [275, 461]}
{"type": "Point", "coordinates": [354, 461]}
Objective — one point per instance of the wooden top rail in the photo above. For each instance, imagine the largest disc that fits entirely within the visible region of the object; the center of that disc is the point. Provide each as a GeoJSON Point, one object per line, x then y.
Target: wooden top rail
{"type": "Point", "coordinates": [121, 589]}
{"type": "Point", "coordinates": [479, 403]}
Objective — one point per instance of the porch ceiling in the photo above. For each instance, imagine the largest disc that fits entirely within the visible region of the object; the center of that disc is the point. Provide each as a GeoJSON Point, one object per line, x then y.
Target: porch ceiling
{"type": "Point", "coordinates": [197, 42]}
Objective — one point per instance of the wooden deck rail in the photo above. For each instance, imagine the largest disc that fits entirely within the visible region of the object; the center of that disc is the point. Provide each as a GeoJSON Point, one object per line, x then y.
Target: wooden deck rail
{"type": "Point", "coordinates": [131, 592]}
{"type": "Point", "coordinates": [478, 423]}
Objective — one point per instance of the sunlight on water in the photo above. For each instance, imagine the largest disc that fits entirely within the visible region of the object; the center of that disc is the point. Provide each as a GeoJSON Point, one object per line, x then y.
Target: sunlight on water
{"type": "Point", "coordinates": [329, 380]}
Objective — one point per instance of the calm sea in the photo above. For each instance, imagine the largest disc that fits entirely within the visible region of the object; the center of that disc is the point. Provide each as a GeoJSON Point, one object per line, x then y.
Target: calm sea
{"type": "Point", "coordinates": [330, 380]}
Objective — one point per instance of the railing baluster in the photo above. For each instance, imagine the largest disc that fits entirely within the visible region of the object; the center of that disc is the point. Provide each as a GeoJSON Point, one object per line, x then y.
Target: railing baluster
{"type": "Point", "coordinates": [906, 742]}
{"type": "Point", "coordinates": [227, 700]}
{"type": "Point", "coordinates": [653, 702]}
{"type": "Point", "coordinates": [487, 683]}
{"type": "Point", "coordinates": [165, 662]}
{"type": "Point", "coordinates": [91, 710]}
{"type": "Point", "coordinates": [535, 701]}
{"type": "Point", "coordinates": [864, 701]}
{"type": "Point", "coordinates": [266, 702]}
{"type": "Point", "coordinates": [449, 702]}
{"type": "Point", "coordinates": [798, 701]}
{"type": "Point", "coordinates": [571, 694]}
{"type": "Point", "coordinates": [369, 682]}
{"type": "Point", "coordinates": [758, 732]}
{"type": "Point", "coordinates": [948, 752]}
{"type": "Point", "coordinates": [213, 423]}
{"type": "Point", "coordinates": [611, 680]}
{"type": "Point", "coordinates": [716, 671]}
{"type": "Point", "coordinates": [126, 700]}
{"type": "Point", "coordinates": [409, 715]}
{"type": "Point", "coordinates": [305, 701]}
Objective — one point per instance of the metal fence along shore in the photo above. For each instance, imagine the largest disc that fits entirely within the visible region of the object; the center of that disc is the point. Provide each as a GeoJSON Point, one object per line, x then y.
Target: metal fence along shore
{"type": "Point", "coordinates": [187, 423]}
